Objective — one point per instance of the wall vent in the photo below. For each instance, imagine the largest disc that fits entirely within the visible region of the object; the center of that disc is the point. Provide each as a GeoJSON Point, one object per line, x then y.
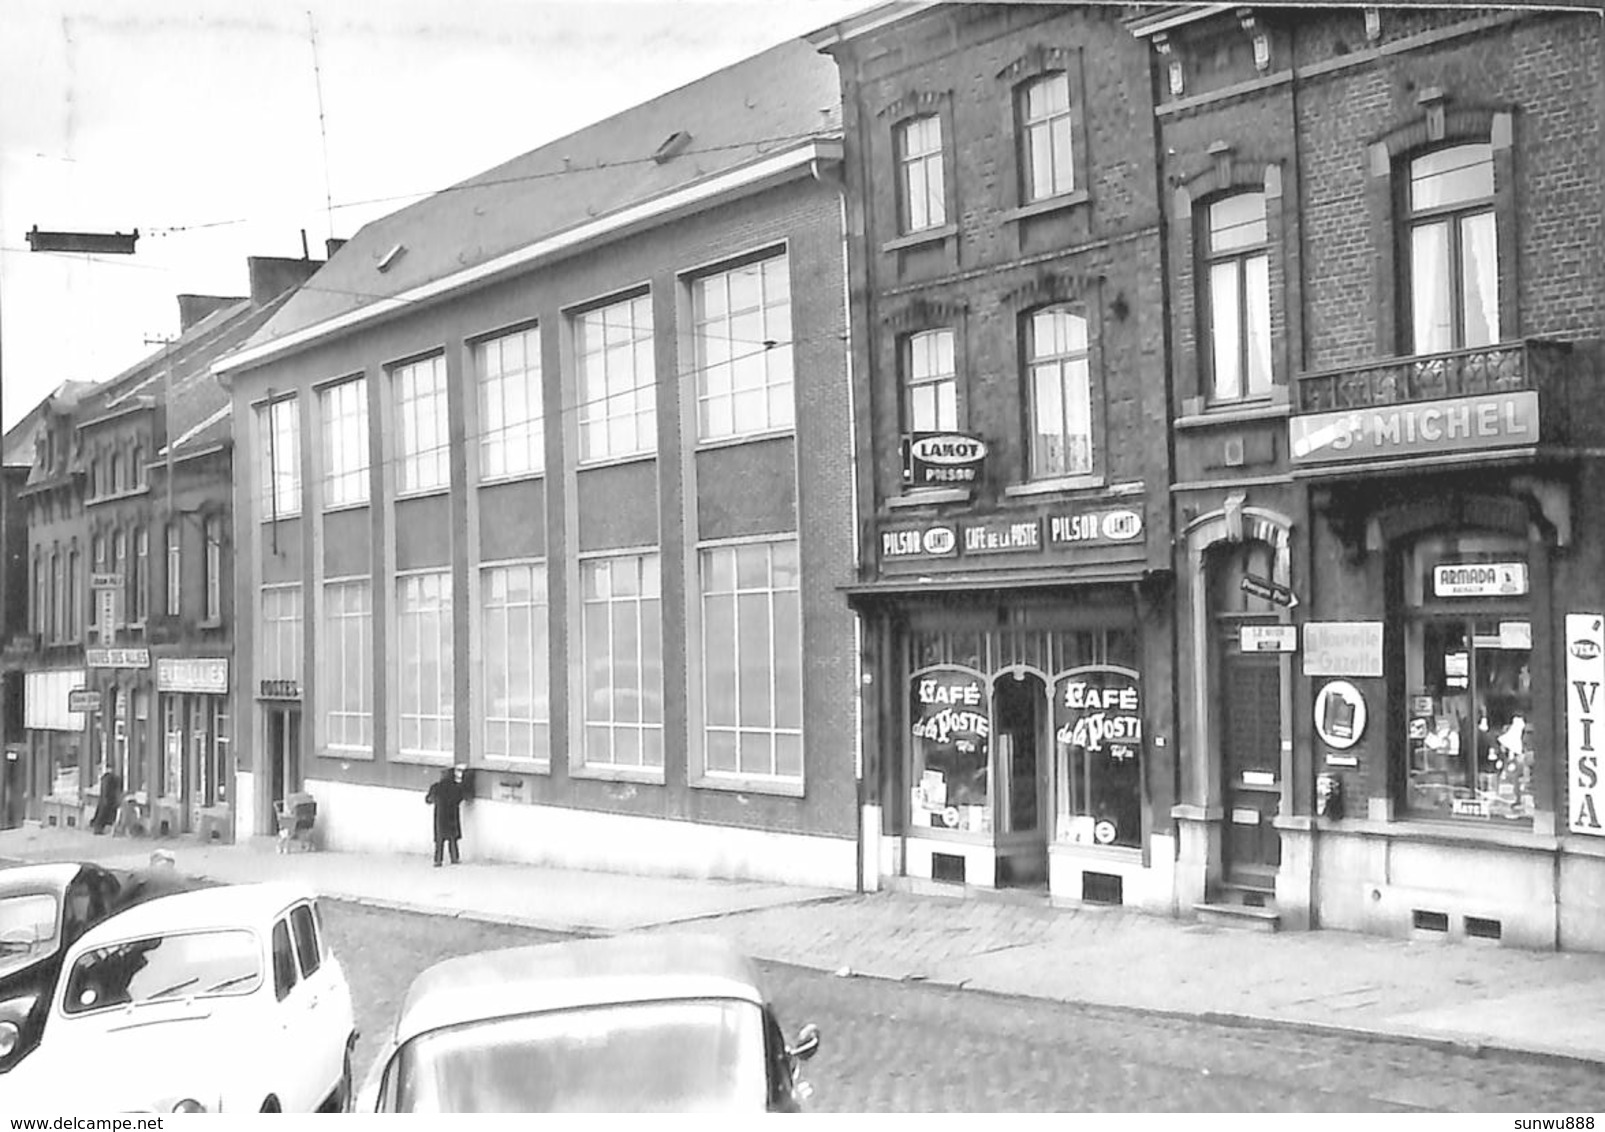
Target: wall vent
{"type": "Point", "coordinates": [1477, 927]}
{"type": "Point", "coordinates": [1429, 921]}
{"type": "Point", "coordinates": [947, 866]}
{"type": "Point", "coordinates": [1102, 888]}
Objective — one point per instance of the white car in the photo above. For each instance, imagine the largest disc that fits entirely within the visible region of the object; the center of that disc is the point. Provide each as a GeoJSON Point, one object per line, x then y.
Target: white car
{"type": "Point", "coordinates": [219, 1000]}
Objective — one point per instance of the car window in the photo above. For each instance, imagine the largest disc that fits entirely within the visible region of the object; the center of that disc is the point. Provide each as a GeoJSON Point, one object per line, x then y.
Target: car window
{"type": "Point", "coordinates": [102, 892]}
{"type": "Point", "coordinates": [184, 965]}
{"type": "Point", "coordinates": [283, 961]}
{"type": "Point", "coordinates": [75, 909]}
{"type": "Point", "coordinates": [27, 928]}
{"type": "Point", "coordinates": [779, 1063]}
{"type": "Point", "coordinates": [306, 939]}
{"type": "Point", "coordinates": [317, 918]}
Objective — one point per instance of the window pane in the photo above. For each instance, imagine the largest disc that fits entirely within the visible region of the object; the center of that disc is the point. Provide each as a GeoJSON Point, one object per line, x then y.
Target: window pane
{"type": "Point", "coordinates": [1451, 176]}
{"type": "Point", "coordinates": [1225, 316]}
{"type": "Point", "coordinates": [1429, 288]}
{"type": "Point", "coordinates": [1479, 280]}
{"type": "Point", "coordinates": [1238, 221]}
{"type": "Point", "coordinates": [1257, 285]}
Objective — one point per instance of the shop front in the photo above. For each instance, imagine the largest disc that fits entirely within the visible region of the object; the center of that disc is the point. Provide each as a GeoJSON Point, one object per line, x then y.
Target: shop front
{"type": "Point", "coordinates": [1014, 719]}
{"type": "Point", "coordinates": [56, 753]}
{"type": "Point", "coordinates": [195, 769]}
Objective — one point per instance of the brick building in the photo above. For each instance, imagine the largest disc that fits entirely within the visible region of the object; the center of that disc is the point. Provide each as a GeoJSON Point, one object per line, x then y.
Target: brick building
{"type": "Point", "coordinates": [1384, 237]}
{"type": "Point", "coordinates": [1013, 466]}
{"type": "Point", "coordinates": [549, 475]}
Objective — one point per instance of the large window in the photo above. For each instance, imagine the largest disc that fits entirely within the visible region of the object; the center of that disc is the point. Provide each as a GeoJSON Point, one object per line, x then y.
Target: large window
{"type": "Point", "coordinates": [1060, 390]}
{"type": "Point", "coordinates": [1045, 157]}
{"type": "Point", "coordinates": [921, 189]}
{"type": "Point", "coordinates": [513, 653]}
{"type": "Point", "coordinates": [425, 651]}
{"type": "Point", "coordinates": [141, 574]}
{"type": "Point", "coordinates": [422, 437]}
{"type": "Point", "coordinates": [618, 408]}
{"type": "Point", "coordinates": [1468, 678]}
{"type": "Point", "coordinates": [623, 657]}
{"type": "Point", "coordinates": [346, 663]}
{"type": "Point", "coordinates": [741, 329]}
{"type": "Point", "coordinates": [345, 443]}
{"type": "Point", "coordinates": [508, 369]}
{"type": "Point", "coordinates": [279, 427]}
{"type": "Point", "coordinates": [175, 568]}
{"type": "Point", "coordinates": [280, 651]}
{"type": "Point", "coordinates": [212, 533]}
{"type": "Point", "coordinates": [1454, 268]}
{"type": "Point", "coordinates": [752, 660]}
{"type": "Point", "coordinates": [931, 381]}
{"type": "Point", "coordinates": [1239, 298]}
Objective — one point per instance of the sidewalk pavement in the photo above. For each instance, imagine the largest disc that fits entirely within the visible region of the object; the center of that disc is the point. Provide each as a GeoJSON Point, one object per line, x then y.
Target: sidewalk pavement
{"type": "Point", "coordinates": [1468, 996]}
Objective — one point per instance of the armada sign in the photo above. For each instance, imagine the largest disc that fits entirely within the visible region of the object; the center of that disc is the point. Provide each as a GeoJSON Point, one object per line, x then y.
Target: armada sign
{"type": "Point", "coordinates": [938, 459]}
{"type": "Point", "coordinates": [1413, 428]}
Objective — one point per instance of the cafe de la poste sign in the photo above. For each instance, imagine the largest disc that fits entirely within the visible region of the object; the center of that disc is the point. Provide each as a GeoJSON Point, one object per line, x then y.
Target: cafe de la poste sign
{"type": "Point", "coordinates": [1413, 428]}
{"type": "Point", "coordinates": [942, 459]}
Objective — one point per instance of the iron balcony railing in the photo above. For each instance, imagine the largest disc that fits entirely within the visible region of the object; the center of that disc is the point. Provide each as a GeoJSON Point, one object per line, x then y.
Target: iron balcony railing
{"type": "Point", "coordinates": [1507, 367]}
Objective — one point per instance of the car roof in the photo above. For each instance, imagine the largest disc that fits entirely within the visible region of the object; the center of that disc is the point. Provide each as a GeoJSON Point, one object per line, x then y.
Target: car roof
{"type": "Point", "coordinates": [225, 906]}
{"type": "Point", "coordinates": [51, 877]}
{"type": "Point", "coordinates": [578, 973]}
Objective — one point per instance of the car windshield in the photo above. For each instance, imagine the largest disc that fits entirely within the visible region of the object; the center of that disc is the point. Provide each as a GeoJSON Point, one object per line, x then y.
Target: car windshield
{"type": "Point", "coordinates": [183, 965]}
{"type": "Point", "coordinates": [700, 1055]}
{"type": "Point", "coordinates": [28, 928]}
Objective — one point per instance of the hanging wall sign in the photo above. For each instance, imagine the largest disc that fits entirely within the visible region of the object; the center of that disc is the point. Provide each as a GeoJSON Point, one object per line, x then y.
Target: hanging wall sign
{"type": "Point", "coordinates": [1585, 673]}
{"type": "Point", "coordinates": [942, 459]}
{"type": "Point", "coordinates": [1480, 579]}
{"type": "Point", "coordinates": [1339, 714]}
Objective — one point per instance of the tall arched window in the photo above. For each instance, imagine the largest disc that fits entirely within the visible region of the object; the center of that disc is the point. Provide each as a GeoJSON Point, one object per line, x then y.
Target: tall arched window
{"type": "Point", "coordinates": [1237, 297]}
{"type": "Point", "coordinates": [1060, 395]}
{"type": "Point", "coordinates": [1453, 248]}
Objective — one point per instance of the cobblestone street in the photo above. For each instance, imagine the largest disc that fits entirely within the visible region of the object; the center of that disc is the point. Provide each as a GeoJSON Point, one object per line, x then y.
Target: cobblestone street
{"type": "Point", "coordinates": [904, 1046]}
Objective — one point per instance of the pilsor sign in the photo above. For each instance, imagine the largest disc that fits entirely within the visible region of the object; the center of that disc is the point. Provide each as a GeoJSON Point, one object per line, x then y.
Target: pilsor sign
{"type": "Point", "coordinates": [942, 459]}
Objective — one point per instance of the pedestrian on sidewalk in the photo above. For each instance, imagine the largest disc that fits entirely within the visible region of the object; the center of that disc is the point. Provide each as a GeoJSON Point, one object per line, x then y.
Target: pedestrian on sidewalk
{"type": "Point", "coordinates": [446, 796]}
{"type": "Point", "coordinates": [111, 797]}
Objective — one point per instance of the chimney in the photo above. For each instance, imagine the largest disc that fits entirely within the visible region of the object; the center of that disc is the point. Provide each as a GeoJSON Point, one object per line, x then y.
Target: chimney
{"type": "Point", "coordinates": [332, 245]}
{"type": "Point", "coordinates": [271, 276]}
{"type": "Point", "coordinates": [193, 308]}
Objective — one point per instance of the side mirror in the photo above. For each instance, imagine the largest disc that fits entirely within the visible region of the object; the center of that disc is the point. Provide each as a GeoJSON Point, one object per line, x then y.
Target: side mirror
{"type": "Point", "coordinates": [807, 1043]}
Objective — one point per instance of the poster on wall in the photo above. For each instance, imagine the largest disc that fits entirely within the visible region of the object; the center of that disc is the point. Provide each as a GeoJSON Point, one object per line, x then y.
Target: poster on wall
{"type": "Point", "coordinates": [1097, 732]}
{"type": "Point", "coordinates": [1339, 714]}
{"type": "Point", "coordinates": [1585, 673]}
{"type": "Point", "coordinates": [951, 728]}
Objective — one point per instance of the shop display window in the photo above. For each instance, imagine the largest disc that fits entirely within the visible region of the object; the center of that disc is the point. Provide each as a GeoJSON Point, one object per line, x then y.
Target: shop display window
{"type": "Point", "coordinates": [952, 731]}
{"type": "Point", "coordinates": [1468, 680]}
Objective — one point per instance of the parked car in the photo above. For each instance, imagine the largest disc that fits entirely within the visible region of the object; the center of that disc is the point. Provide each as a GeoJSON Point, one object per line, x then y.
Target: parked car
{"type": "Point", "coordinates": [223, 999]}
{"type": "Point", "coordinates": [630, 1024]}
{"type": "Point", "coordinates": [44, 909]}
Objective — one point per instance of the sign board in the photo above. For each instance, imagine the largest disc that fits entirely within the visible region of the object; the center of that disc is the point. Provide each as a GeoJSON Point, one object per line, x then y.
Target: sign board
{"type": "Point", "coordinates": [1480, 579]}
{"type": "Point", "coordinates": [192, 674]}
{"type": "Point", "coordinates": [939, 541]}
{"type": "Point", "coordinates": [1097, 730]}
{"type": "Point", "coordinates": [1343, 648]}
{"type": "Point", "coordinates": [83, 699]}
{"type": "Point", "coordinates": [117, 658]}
{"type": "Point", "coordinates": [942, 459]}
{"type": "Point", "coordinates": [1416, 428]}
{"type": "Point", "coordinates": [106, 611]}
{"type": "Point", "coordinates": [279, 690]}
{"type": "Point", "coordinates": [1268, 638]}
{"type": "Point", "coordinates": [1273, 592]}
{"type": "Point", "coordinates": [1585, 673]}
{"type": "Point", "coordinates": [102, 581]}
{"type": "Point", "coordinates": [1084, 528]}
{"type": "Point", "coordinates": [1339, 714]}
{"type": "Point", "coordinates": [1004, 537]}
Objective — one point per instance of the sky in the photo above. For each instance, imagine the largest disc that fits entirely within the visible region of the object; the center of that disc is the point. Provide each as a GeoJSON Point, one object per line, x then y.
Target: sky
{"type": "Point", "coordinates": [198, 123]}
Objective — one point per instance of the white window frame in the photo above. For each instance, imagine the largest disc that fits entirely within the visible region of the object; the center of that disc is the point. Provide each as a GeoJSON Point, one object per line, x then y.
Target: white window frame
{"type": "Point", "coordinates": [431, 627]}
{"type": "Point", "coordinates": [512, 438]}
{"type": "Point", "coordinates": [1047, 153]}
{"type": "Point", "coordinates": [743, 355]}
{"type": "Point", "coordinates": [496, 652]}
{"type": "Point", "coordinates": [1238, 283]}
{"type": "Point", "coordinates": [645, 607]}
{"type": "Point", "coordinates": [279, 433]}
{"type": "Point", "coordinates": [1067, 369]}
{"type": "Point", "coordinates": [423, 425]}
{"type": "Point", "coordinates": [930, 380]}
{"type": "Point", "coordinates": [921, 174]}
{"type": "Point", "coordinates": [282, 612]}
{"type": "Point", "coordinates": [347, 679]}
{"type": "Point", "coordinates": [781, 631]}
{"type": "Point", "coordinates": [344, 414]}
{"type": "Point", "coordinates": [615, 371]}
{"type": "Point", "coordinates": [1452, 216]}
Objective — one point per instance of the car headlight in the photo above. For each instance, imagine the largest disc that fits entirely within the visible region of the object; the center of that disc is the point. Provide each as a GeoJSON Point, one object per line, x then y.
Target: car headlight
{"type": "Point", "coordinates": [189, 1105]}
{"type": "Point", "coordinates": [10, 1038]}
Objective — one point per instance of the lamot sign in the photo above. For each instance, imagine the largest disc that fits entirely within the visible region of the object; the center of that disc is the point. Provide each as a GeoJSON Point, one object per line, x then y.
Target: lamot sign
{"type": "Point", "coordinates": [1413, 428]}
{"type": "Point", "coordinates": [939, 459]}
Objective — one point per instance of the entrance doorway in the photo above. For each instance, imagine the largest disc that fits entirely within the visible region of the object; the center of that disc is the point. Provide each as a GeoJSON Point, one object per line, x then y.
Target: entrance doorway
{"type": "Point", "coordinates": [284, 756]}
{"type": "Point", "coordinates": [1019, 713]}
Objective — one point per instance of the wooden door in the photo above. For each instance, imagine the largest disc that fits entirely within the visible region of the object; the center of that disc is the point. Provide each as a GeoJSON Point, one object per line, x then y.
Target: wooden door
{"type": "Point", "coordinates": [1251, 761]}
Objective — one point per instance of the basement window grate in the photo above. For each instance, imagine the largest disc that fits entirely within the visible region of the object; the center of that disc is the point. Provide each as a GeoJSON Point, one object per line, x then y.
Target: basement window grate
{"type": "Point", "coordinates": [1102, 888]}
{"type": "Point", "coordinates": [1430, 921]}
{"type": "Point", "coordinates": [1478, 927]}
{"type": "Point", "coordinates": [947, 866]}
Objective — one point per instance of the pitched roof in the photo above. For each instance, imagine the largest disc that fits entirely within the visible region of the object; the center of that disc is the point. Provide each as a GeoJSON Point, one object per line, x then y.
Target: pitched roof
{"type": "Point", "coordinates": [763, 105]}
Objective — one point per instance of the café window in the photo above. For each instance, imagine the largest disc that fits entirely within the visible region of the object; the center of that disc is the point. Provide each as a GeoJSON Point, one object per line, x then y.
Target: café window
{"type": "Point", "coordinates": [1468, 646]}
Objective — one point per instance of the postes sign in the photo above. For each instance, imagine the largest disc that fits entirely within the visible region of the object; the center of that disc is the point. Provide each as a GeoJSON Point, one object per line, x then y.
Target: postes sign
{"type": "Point", "coordinates": [942, 459]}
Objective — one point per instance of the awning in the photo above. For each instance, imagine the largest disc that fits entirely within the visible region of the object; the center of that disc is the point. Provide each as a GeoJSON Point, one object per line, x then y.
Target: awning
{"type": "Point", "coordinates": [933, 584]}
